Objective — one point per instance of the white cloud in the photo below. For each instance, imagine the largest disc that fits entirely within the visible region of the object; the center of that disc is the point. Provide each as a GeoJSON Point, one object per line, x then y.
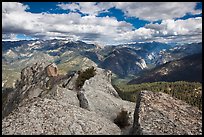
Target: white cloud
{"type": "Point", "coordinates": [90, 8]}
{"type": "Point", "coordinates": [181, 31]}
{"type": "Point", "coordinates": [191, 26]}
{"type": "Point", "coordinates": [8, 7]}
{"type": "Point", "coordinates": [153, 11]}
{"type": "Point", "coordinates": [9, 37]}
{"type": "Point", "coordinates": [72, 6]}
{"type": "Point", "coordinates": [138, 35]}
{"type": "Point", "coordinates": [150, 11]}
{"type": "Point", "coordinates": [178, 31]}
{"type": "Point", "coordinates": [105, 30]}
{"type": "Point", "coordinates": [72, 25]}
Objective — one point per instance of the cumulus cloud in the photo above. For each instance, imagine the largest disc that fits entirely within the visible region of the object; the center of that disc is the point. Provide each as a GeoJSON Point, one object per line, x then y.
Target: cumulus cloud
{"type": "Point", "coordinates": [171, 29]}
{"type": "Point", "coordinates": [150, 11]}
{"type": "Point", "coordinates": [71, 6]}
{"type": "Point", "coordinates": [9, 37]}
{"type": "Point", "coordinates": [105, 30]}
{"type": "Point", "coordinates": [8, 7]}
{"type": "Point", "coordinates": [153, 11]}
{"type": "Point", "coordinates": [181, 31]}
{"type": "Point", "coordinates": [90, 8]}
{"type": "Point", "coordinates": [71, 25]}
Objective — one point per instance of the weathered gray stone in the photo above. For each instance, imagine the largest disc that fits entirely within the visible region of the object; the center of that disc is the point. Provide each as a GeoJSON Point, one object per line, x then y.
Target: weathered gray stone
{"type": "Point", "coordinates": [59, 110]}
{"type": "Point", "coordinates": [71, 84]}
{"type": "Point", "coordinates": [160, 114]}
{"type": "Point", "coordinates": [104, 100]}
{"type": "Point", "coordinates": [83, 100]}
{"type": "Point", "coordinates": [63, 95]}
{"type": "Point", "coordinates": [35, 93]}
{"type": "Point", "coordinates": [31, 84]}
{"type": "Point", "coordinates": [51, 117]}
{"type": "Point", "coordinates": [100, 95]}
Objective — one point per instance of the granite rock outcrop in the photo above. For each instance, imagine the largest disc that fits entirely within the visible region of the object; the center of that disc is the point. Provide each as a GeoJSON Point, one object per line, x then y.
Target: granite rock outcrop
{"type": "Point", "coordinates": [160, 114]}
{"type": "Point", "coordinates": [49, 103]}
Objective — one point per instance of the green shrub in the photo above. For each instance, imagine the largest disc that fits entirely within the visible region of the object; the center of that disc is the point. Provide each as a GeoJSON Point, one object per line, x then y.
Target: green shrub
{"type": "Point", "coordinates": [83, 76]}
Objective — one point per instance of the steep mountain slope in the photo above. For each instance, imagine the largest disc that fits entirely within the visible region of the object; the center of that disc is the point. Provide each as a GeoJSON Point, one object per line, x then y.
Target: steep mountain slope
{"type": "Point", "coordinates": [123, 61]}
{"type": "Point", "coordinates": [177, 52]}
{"type": "Point", "coordinates": [186, 69]}
{"type": "Point", "coordinates": [19, 54]}
{"type": "Point", "coordinates": [131, 59]}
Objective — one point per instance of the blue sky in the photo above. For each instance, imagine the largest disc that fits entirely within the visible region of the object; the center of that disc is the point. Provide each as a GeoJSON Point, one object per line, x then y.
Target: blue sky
{"type": "Point", "coordinates": [51, 7]}
{"type": "Point", "coordinates": [103, 22]}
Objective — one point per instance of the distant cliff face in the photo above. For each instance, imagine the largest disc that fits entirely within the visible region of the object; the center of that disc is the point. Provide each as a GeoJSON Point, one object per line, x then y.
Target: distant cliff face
{"type": "Point", "coordinates": [188, 68]}
{"type": "Point", "coordinates": [48, 103]}
{"type": "Point", "coordinates": [124, 62]}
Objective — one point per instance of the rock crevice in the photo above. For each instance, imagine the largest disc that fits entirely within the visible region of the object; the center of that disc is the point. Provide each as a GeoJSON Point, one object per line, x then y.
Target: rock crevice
{"type": "Point", "coordinates": [83, 100]}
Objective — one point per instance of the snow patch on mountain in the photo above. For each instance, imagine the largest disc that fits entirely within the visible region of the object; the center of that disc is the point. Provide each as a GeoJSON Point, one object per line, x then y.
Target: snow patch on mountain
{"type": "Point", "coordinates": [11, 54]}
{"type": "Point", "coordinates": [150, 56]}
{"type": "Point", "coordinates": [142, 64]}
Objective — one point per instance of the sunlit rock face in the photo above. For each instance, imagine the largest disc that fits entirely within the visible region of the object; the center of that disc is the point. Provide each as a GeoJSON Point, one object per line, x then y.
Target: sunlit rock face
{"type": "Point", "coordinates": [42, 104]}
{"type": "Point", "coordinates": [160, 114]}
{"type": "Point", "coordinates": [52, 70]}
{"type": "Point", "coordinates": [51, 117]}
{"type": "Point", "coordinates": [36, 107]}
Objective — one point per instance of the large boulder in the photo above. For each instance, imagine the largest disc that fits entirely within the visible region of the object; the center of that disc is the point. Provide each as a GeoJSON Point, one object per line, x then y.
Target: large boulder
{"type": "Point", "coordinates": [34, 82]}
{"type": "Point", "coordinates": [157, 113]}
{"type": "Point", "coordinates": [52, 70]}
{"type": "Point", "coordinates": [100, 96]}
{"type": "Point", "coordinates": [71, 84]}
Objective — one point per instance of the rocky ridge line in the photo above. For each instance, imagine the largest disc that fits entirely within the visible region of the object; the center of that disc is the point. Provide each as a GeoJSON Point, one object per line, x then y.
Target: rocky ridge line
{"type": "Point", "coordinates": [45, 102]}
{"type": "Point", "coordinates": [38, 84]}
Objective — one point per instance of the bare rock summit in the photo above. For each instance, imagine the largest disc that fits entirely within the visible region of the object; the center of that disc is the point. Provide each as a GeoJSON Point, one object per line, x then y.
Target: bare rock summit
{"type": "Point", "coordinates": [45, 103]}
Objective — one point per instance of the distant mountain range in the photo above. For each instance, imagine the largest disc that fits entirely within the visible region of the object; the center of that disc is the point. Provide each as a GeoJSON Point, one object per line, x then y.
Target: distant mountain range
{"type": "Point", "coordinates": [123, 60]}
{"type": "Point", "coordinates": [188, 68]}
